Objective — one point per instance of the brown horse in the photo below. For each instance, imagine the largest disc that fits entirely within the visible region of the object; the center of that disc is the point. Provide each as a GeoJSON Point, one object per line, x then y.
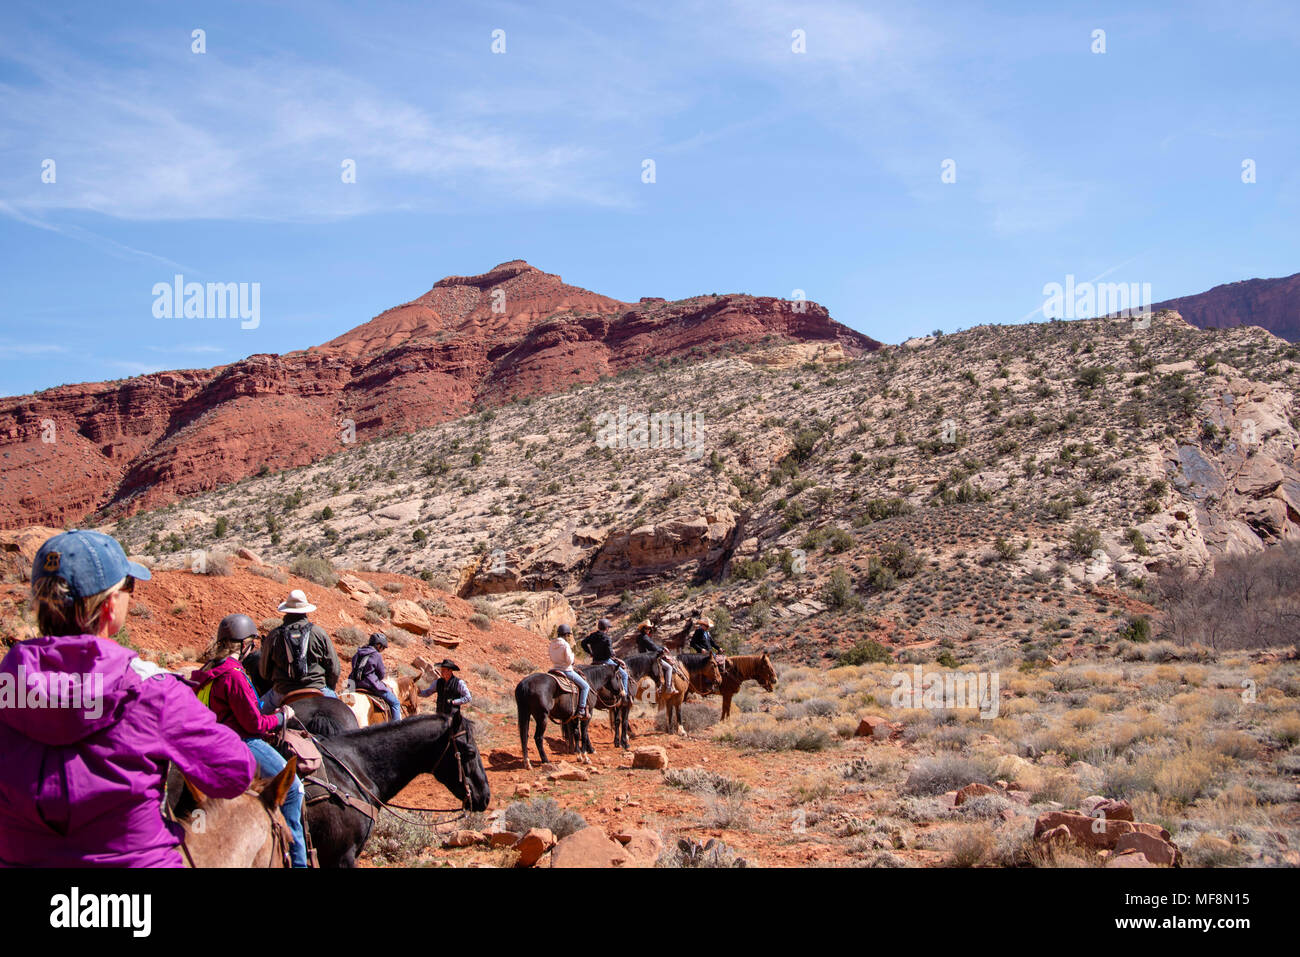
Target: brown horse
{"type": "Point", "coordinates": [689, 673]}
{"type": "Point", "coordinates": [245, 831]}
{"type": "Point", "coordinates": [742, 668]}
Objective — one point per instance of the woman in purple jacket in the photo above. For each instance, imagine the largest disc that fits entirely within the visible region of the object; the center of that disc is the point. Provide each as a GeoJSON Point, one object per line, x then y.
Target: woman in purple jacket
{"type": "Point", "coordinates": [87, 728]}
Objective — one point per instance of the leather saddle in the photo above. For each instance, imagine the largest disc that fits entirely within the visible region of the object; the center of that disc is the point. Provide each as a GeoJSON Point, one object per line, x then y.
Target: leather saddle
{"type": "Point", "coordinates": [377, 702]}
{"type": "Point", "coordinates": [301, 693]}
{"type": "Point", "coordinates": [564, 681]}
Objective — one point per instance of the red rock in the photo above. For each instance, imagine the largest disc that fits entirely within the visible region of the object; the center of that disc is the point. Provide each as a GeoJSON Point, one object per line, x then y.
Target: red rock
{"type": "Point", "coordinates": [463, 838]}
{"type": "Point", "coordinates": [248, 555]}
{"type": "Point", "coordinates": [407, 614]}
{"type": "Point", "coordinates": [974, 789]}
{"type": "Point", "coordinates": [503, 838]}
{"type": "Point", "coordinates": [1267, 303]}
{"type": "Point", "coordinates": [874, 726]}
{"type": "Point", "coordinates": [432, 359]}
{"type": "Point", "coordinates": [1129, 860]}
{"type": "Point", "coordinates": [1154, 849]}
{"type": "Point", "coordinates": [534, 844]}
{"type": "Point", "coordinates": [652, 757]}
{"type": "Point", "coordinates": [589, 847]}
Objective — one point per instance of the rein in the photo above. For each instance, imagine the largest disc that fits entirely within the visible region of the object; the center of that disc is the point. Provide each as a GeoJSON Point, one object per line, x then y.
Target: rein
{"type": "Point", "coordinates": [373, 798]}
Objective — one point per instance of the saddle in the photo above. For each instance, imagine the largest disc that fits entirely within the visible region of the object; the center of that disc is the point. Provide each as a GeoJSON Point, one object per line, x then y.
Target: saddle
{"type": "Point", "coordinates": [301, 693]}
{"type": "Point", "coordinates": [564, 681]}
{"type": "Point", "coordinates": [381, 703]}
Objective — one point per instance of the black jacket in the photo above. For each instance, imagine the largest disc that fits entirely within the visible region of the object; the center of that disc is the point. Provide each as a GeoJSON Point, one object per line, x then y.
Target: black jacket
{"type": "Point", "coordinates": [703, 642]}
{"type": "Point", "coordinates": [599, 646]}
{"type": "Point", "coordinates": [647, 644]}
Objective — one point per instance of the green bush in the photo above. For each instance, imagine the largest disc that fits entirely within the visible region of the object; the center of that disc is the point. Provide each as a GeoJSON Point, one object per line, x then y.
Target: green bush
{"type": "Point", "coordinates": [864, 652]}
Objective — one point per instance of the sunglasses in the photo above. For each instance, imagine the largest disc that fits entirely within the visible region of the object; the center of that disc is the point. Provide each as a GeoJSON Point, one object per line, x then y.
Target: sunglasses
{"type": "Point", "coordinates": [128, 586]}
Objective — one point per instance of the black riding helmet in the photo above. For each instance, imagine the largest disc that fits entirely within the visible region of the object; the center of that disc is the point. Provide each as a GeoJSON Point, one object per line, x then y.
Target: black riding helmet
{"type": "Point", "coordinates": [235, 629]}
{"type": "Point", "coordinates": [379, 640]}
{"type": "Point", "coordinates": [564, 630]}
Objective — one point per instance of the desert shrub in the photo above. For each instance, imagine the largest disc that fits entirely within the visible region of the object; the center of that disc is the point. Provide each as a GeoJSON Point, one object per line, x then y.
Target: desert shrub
{"type": "Point", "coordinates": [543, 813]}
{"type": "Point", "coordinates": [394, 587]}
{"type": "Point", "coordinates": [696, 716]}
{"type": "Point", "coordinates": [350, 636]}
{"type": "Point", "coordinates": [217, 563]}
{"type": "Point", "coordinates": [969, 845]}
{"type": "Point", "coordinates": [269, 571]}
{"type": "Point", "coordinates": [484, 608]}
{"type": "Point", "coordinates": [839, 592]}
{"type": "Point", "coordinates": [380, 608]}
{"type": "Point", "coordinates": [396, 842]}
{"type": "Point", "coordinates": [690, 853]}
{"type": "Point", "coordinates": [703, 781]}
{"type": "Point", "coordinates": [316, 570]}
{"type": "Point", "coordinates": [521, 666]}
{"type": "Point", "coordinates": [480, 621]}
{"type": "Point", "coordinates": [865, 651]}
{"type": "Point", "coordinates": [942, 773]}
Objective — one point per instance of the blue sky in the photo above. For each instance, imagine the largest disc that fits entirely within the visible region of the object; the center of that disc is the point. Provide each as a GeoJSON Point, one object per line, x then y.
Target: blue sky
{"type": "Point", "coordinates": [775, 170]}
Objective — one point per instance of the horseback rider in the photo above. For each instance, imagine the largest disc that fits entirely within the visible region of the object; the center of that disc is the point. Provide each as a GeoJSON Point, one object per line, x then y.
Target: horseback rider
{"type": "Point", "coordinates": [452, 692]}
{"type": "Point", "coordinates": [297, 654]}
{"type": "Point", "coordinates": [647, 644]}
{"type": "Point", "coordinates": [562, 660]}
{"type": "Point", "coordinates": [600, 646]}
{"type": "Point", "coordinates": [81, 783]}
{"type": "Point", "coordinates": [702, 641]}
{"type": "Point", "coordinates": [224, 686]}
{"type": "Point", "coordinates": [368, 673]}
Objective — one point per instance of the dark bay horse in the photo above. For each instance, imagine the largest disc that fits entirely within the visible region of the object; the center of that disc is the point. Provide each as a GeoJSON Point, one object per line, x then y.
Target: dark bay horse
{"type": "Point", "coordinates": [538, 697]}
{"type": "Point", "coordinates": [324, 716]}
{"type": "Point", "coordinates": [607, 695]}
{"type": "Point", "coordinates": [694, 673]}
{"type": "Point", "coordinates": [705, 672]}
{"type": "Point", "coordinates": [742, 668]}
{"type": "Point", "coordinates": [374, 763]}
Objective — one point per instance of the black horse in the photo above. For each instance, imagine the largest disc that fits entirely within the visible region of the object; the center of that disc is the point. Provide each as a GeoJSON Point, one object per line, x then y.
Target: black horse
{"type": "Point", "coordinates": [538, 697]}
{"type": "Point", "coordinates": [607, 695]}
{"type": "Point", "coordinates": [373, 764]}
{"type": "Point", "coordinates": [252, 663]}
{"type": "Point", "coordinates": [324, 716]}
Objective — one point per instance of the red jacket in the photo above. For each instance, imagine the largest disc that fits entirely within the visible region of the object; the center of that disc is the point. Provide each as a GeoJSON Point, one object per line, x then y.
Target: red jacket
{"type": "Point", "coordinates": [233, 699]}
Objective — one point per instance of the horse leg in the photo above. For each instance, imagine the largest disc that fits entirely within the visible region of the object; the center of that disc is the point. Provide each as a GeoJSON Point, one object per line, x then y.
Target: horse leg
{"type": "Point", "coordinates": [540, 737]}
{"type": "Point", "coordinates": [523, 736]}
{"type": "Point", "coordinates": [726, 705]}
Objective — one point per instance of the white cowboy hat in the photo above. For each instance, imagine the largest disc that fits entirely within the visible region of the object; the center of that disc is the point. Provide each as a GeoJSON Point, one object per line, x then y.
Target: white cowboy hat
{"type": "Point", "coordinates": [296, 603]}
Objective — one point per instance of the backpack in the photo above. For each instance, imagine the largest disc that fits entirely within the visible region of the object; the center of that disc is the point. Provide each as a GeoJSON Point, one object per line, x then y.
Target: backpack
{"type": "Point", "coordinates": [296, 637]}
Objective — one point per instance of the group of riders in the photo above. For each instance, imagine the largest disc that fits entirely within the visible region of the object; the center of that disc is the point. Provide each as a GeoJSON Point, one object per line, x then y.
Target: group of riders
{"type": "Point", "coordinates": [88, 729]}
{"type": "Point", "coordinates": [600, 646]}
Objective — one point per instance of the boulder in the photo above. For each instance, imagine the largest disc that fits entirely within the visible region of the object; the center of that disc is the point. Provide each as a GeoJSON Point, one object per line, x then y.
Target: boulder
{"type": "Point", "coordinates": [354, 587]}
{"type": "Point", "coordinates": [1094, 832]}
{"type": "Point", "coordinates": [463, 838]}
{"type": "Point", "coordinates": [567, 772]}
{"type": "Point", "coordinates": [642, 845]}
{"type": "Point", "coordinates": [1259, 476]}
{"type": "Point", "coordinates": [1129, 860]}
{"type": "Point", "coordinates": [248, 555]}
{"type": "Point", "coordinates": [1153, 848]}
{"type": "Point", "coordinates": [407, 614]}
{"type": "Point", "coordinates": [503, 838]}
{"type": "Point", "coordinates": [874, 726]}
{"type": "Point", "coordinates": [1098, 806]}
{"type": "Point", "coordinates": [653, 758]}
{"type": "Point", "coordinates": [589, 847]}
{"type": "Point", "coordinates": [972, 790]}
{"type": "Point", "coordinates": [536, 842]}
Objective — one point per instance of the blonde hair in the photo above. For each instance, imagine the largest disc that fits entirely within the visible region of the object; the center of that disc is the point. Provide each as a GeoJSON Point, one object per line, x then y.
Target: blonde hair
{"type": "Point", "coordinates": [59, 613]}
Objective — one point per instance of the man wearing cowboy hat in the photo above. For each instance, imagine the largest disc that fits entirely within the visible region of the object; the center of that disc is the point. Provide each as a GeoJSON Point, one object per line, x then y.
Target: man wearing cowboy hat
{"type": "Point", "coordinates": [702, 641]}
{"type": "Point", "coordinates": [298, 654]}
{"type": "Point", "coordinates": [452, 692]}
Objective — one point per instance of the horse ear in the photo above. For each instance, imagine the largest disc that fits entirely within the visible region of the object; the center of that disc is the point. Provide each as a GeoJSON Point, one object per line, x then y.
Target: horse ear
{"type": "Point", "coordinates": [199, 796]}
{"type": "Point", "coordinates": [274, 793]}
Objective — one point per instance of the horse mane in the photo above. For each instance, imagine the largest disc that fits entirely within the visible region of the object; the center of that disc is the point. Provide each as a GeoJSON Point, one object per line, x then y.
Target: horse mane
{"type": "Point", "coordinates": [371, 730]}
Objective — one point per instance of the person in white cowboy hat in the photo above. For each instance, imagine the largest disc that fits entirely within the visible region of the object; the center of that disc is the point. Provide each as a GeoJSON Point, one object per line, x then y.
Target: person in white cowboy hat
{"type": "Point", "coordinates": [297, 654]}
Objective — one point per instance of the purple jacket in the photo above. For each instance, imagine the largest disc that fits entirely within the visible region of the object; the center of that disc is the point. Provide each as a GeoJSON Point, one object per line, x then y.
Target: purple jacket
{"type": "Point", "coordinates": [368, 670]}
{"type": "Point", "coordinates": [81, 783]}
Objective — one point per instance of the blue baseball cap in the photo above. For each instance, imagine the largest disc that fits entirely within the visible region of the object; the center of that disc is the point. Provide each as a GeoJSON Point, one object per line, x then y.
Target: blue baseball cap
{"type": "Point", "coordinates": [89, 561]}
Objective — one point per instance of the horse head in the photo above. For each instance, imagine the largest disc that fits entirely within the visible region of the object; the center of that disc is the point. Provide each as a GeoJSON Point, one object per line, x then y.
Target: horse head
{"type": "Point", "coordinates": [710, 674]}
{"type": "Point", "coordinates": [460, 767]}
{"type": "Point", "coordinates": [766, 674]}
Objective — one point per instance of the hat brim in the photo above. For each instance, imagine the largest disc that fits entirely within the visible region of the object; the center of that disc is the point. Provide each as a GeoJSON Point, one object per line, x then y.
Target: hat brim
{"type": "Point", "coordinates": [138, 571]}
{"type": "Point", "coordinates": [300, 610]}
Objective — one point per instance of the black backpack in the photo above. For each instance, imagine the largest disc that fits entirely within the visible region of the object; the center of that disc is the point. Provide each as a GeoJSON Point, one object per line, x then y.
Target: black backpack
{"type": "Point", "coordinates": [296, 637]}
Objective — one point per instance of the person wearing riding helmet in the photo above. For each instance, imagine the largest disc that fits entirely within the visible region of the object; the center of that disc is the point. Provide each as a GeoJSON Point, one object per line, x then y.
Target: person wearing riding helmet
{"type": "Point", "coordinates": [645, 643]}
{"type": "Point", "coordinates": [224, 686]}
{"type": "Point", "coordinates": [702, 641]}
{"type": "Point", "coordinates": [452, 692]}
{"type": "Point", "coordinates": [600, 646]}
{"type": "Point", "coordinates": [368, 673]}
{"type": "Point", "coordinates": [87, 739]}
{"type": "Point", "coordinates": [561, 653]}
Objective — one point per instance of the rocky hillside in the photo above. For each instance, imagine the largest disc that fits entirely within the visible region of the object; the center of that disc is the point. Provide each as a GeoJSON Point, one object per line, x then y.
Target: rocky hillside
{"type": "Point", "coordinates": [1018, 484]}
{"type": "Point", "coordinates": [1272, 304]}
{"type": "Point", "coordinates": [470, 342]}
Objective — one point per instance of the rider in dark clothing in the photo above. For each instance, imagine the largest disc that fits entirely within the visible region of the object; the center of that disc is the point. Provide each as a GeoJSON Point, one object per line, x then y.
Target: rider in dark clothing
{"type": "Point", "coordinates": [452, 692]}
{"type": "Point", "coordinates": [600, 646]}
{"type": "Point", "coordinates": [645, 643]}
{"type": "Point", "coordinates": [702, 641]}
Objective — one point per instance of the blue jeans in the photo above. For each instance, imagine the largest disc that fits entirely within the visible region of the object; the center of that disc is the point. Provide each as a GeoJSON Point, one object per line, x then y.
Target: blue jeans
{"type": "Point", "coordinates": [393, 704]}
{"type": "Point", "coordinates": [269, 764]}
{"type": "Point", "coordinates": [584, 689]}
